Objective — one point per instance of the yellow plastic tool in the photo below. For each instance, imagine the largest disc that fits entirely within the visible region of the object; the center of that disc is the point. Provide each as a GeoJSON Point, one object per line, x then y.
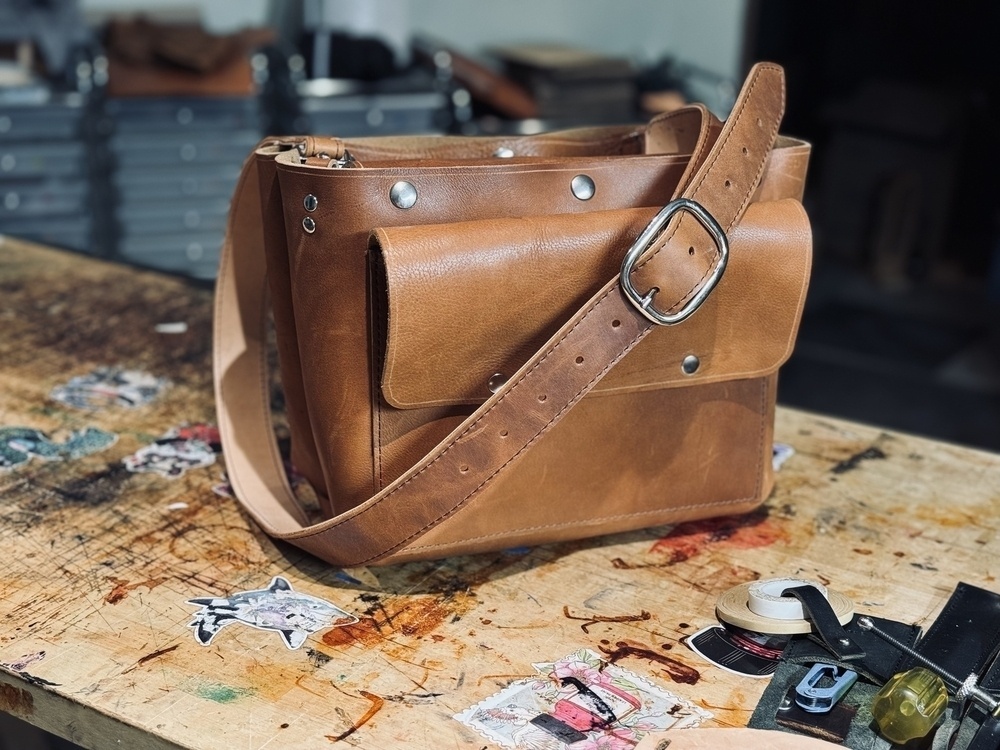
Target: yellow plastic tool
{"type": "Point", "coordinates": [909, 705]}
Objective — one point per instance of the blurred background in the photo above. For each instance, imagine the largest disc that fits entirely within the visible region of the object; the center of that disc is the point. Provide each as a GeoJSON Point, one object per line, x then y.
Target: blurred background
{"type": "Point", "coordinates": [123, 125]}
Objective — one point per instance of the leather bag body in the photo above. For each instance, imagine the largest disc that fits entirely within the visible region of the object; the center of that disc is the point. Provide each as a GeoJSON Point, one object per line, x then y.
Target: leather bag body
{"type": "Point", "coordinates": [461, 370]}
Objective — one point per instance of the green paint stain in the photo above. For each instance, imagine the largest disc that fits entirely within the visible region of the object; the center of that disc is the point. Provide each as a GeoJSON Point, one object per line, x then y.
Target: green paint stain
{"type": "Point", "coordinates": [221, 693]}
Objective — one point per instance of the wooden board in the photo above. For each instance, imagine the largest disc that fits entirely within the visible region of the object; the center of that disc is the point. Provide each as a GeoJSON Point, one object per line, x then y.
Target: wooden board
{"type": "Point", "coordinates": [99, 562]}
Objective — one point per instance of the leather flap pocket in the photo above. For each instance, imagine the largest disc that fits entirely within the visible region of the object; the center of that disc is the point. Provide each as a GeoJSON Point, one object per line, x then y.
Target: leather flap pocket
{"type": "Point", "coordinates": [464, 305]}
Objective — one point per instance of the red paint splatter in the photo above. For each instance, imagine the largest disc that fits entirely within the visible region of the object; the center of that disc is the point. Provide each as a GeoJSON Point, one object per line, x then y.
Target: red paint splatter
{"type": "Point", "coordinates": [748, 531]}
{"type": "Point", "coordinates": [678, 671]}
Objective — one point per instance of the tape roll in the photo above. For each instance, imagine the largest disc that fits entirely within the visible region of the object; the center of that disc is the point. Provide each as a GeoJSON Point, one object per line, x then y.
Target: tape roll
{"type": "Point", "coordinates": [733, 608]}
{"type": "Point", "coordinates": [765, 598]}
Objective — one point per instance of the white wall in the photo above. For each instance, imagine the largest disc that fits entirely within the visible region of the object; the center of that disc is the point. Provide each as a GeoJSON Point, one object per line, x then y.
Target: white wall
{"type": "Point", "coordinates": [705, 33]}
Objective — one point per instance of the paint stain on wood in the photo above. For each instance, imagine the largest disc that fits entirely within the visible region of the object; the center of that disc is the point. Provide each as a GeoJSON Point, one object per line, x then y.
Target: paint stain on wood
{"type": "Point", "coordinates": [755, 529]}
{"type": "Point", "coordinates": [156, 655]}
{"type": "Point", "coordinates": [96, 488]}
{"type": "Point", "coordinates": [122, 588]}
{"type": "Point", "coordinates": [595, 619]}
{"type": "Point", "coordinates": [849, 464]}
{"type": "Point", "coordinates": [16, 701]}
{"type": "Point", "coordinates": [317, 658]}
{"type": "Point", "coordinates": [376, 706]}
{"type": "Point", "coordinates": [221, 693]}
{"type": "Point", "coordinates": [415, 618]}
{"type": "Point", "coordinates": [676, 670]}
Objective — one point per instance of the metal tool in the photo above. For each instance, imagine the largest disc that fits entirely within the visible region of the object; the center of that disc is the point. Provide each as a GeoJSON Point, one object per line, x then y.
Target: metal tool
{"type": "Point", "coordinates": [910, 703]}
{"type": "Point", "coordinates": [822, 687]}
{"type": "Point", "coordinates": [967, 688]}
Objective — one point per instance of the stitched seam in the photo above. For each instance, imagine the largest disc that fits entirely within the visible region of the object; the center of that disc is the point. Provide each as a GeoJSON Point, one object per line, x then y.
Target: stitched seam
{"type": "Point", "coordinates": [381, 311]}
{"type": "Point", "coordinates": [759, 484]}
{"type": "Point", "coordinates": [448, 148]}
{"type": "Point", "coordinates": [571, 524]}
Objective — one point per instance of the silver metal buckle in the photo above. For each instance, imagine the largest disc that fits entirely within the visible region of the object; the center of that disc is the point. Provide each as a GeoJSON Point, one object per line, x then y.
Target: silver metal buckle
{"type": "Point", "coordinates": [644, 302]}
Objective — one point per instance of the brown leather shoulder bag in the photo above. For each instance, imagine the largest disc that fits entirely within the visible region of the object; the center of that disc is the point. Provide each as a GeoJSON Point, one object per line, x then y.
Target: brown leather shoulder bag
{"type": "Point", "coordinates": [494, 342]}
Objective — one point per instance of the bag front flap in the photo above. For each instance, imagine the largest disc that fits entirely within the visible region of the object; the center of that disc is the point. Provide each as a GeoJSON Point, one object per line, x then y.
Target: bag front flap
{"type": "Point", "coordinates": [466, 304]}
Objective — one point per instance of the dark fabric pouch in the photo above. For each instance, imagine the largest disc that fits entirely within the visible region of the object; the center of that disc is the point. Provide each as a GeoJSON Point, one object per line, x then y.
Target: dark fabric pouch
{"type": "Point", "coordinates": [850, 723]}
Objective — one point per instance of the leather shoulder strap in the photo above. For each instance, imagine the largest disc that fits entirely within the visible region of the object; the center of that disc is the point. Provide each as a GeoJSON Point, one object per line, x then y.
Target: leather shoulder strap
{"type": "Point", "coordinates": [676, 263]}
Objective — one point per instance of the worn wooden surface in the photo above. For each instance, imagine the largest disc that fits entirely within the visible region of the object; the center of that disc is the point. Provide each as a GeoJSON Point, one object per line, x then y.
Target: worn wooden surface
{"type": "Point", "coordinates": [98, 562]}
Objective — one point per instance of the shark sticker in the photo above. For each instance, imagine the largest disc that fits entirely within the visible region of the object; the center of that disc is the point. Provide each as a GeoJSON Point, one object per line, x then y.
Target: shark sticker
{"type": "Point", "coordinates": [277, 608]}
{"type": "Point", "coordinates": [18, 445]}
{"type": "Point", "coordinates": [109, 386]}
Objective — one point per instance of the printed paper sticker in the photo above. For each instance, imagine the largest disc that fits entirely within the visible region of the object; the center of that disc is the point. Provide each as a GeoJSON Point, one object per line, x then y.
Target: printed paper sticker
{"type": "Point", "coordinates": [18, 445]}
{"type": "Point", "coordinates": [277, 608]}
{"type": "Point", "coordinates": [178, 451]}
{"type": "Point", "coordinates": [581, 702]}
{"type": "Point", "coordinates": [743, 652]}
{"type": "Point", "coordinates": [24, 662]}
{"type": "Point", "coordinates": [109, 386]}
{"type": "Point", "coordinates": [781, 453]}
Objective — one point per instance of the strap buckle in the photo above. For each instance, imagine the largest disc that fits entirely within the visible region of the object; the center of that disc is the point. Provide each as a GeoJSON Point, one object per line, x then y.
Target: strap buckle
{"type": "Point", "coordinates": [644, 302]}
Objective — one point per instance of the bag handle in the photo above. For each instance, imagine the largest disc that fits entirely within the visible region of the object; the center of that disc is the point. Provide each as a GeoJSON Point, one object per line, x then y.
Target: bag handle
{"type": "Point", "coordinates": [669, 272]}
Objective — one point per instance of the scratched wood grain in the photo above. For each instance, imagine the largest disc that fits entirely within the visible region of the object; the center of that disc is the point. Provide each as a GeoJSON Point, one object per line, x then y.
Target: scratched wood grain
{"type": "Point", "coordinates": [98, 562]}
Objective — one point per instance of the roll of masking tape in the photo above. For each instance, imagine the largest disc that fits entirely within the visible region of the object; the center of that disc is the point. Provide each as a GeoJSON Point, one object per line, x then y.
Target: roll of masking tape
{"type": "Point", "coordinates": [733, 607]}
{"type": "Point", "coordinates": [765, 599]}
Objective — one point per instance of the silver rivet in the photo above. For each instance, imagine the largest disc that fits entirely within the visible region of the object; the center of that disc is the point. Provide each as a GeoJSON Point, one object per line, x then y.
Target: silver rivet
{"type": "Point", "coordinates": [582, 187]}
{"type": "Point", "coordinates": [503, 152]}
{"type": "Point", "coordinates": [309, 225]}
{"type": "Point", "coordinates": [310, 202]}
{"type": "Point", "coordinates": [690, 364]}
{"type": "Point", "coordinates": [496, 382]}
{"type": "Point", "coordinates": [403, 194]}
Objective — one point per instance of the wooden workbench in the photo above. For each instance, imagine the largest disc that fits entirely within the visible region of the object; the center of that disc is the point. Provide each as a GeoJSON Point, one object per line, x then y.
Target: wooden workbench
{"type": "Point", "coordinates": [98, 562]}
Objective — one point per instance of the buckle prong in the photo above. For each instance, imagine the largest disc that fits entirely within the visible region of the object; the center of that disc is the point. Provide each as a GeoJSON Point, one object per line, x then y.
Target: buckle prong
{"type": "Point", "coordinates": [644, 302]}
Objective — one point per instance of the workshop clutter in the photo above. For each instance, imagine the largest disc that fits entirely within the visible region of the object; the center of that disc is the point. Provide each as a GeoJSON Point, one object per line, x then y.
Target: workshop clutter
{"type": "Point", "coordinates": [862, 681]}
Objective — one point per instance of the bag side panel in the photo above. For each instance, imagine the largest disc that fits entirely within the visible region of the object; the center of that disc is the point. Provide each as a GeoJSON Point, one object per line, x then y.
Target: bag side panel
{"type": "Point", "coordinates": [304, 456]}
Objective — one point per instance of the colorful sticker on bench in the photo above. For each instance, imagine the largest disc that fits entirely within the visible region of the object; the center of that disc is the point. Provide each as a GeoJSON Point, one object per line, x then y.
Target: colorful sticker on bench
{"type": "Point", "coordinates": [18, 445]}
{"type": "Point", "coordinates": [109, 386]}
{"type": "Point", "coordinates": [24, 662]}
{"type": "Point", "coordinates": [179, 450]}
{"type": "Point", "coordinates": [743, 652]}
{"type": "Point", "coordinates": [780, 453]}
{"type": "Point", "coordinates": [580, 701]}
{"type": "Point", "coordinates": [277, 608]}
